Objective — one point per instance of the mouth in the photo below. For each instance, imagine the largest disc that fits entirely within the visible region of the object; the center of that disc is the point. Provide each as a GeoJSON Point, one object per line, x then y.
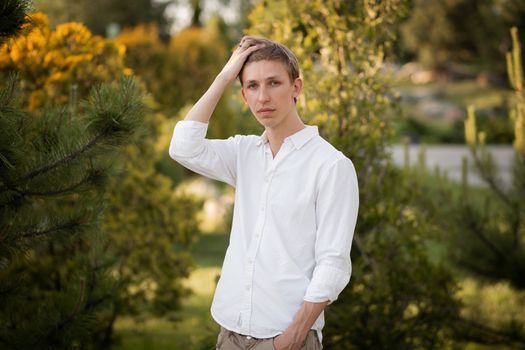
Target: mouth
{"type": "Point", "coordinates": [265, 110]}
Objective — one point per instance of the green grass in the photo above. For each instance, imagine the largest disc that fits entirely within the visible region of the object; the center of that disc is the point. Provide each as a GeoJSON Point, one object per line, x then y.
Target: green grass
{"type": "Point", "coordinates": [209, 250]}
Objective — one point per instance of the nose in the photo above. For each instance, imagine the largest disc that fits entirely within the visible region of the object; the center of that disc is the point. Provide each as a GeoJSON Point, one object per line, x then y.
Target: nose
{"type": "Point", "coordinates": [263, 95]}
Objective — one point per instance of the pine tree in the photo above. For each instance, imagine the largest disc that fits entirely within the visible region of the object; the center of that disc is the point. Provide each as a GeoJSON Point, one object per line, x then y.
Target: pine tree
{"type": "Point", "coordinates": [490, 239]}
{"type": "Point", "coordinates": [148, 225]}
{"type": "Point", "coordinates": [499, 252]}
{"type": "Point", "coordinates": [55, 167]}
{"type": "Point", "coordinates": [484, 229]}
{"type": "Point", "coordinates": [13, 18]}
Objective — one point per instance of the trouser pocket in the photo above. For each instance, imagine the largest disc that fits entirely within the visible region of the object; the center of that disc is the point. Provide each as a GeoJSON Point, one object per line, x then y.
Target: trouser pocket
{"type": "Point", "coordinates": [312, 341]}
{"type": "Point", "coordinates": [220, 338]}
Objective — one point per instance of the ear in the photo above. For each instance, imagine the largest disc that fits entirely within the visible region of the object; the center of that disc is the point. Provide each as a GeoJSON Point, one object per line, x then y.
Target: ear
{"type": "Point", "coordinates": [243, 96]}
{"type": "Point", "coordinates": [297, 87]}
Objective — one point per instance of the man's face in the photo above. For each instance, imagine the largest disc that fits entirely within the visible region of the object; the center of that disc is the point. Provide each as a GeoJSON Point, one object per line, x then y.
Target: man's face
{"type": "Point", "coordinates": [268, 91]}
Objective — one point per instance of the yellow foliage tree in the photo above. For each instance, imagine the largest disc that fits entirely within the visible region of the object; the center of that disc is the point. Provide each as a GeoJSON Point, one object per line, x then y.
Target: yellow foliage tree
{"type": "Point", "coordinates": [178, 73]}
{"type": "Point", "coordinates": [53, 64]}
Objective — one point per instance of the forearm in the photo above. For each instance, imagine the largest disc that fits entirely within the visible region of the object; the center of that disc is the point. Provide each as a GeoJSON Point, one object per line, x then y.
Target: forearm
{"type": "Point", "coordinates": [203, 109]}
{"type": "Point", "coordinates": [305, 318]}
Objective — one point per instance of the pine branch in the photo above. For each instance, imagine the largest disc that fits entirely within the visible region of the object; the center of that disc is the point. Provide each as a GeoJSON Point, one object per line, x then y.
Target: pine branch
{"type": "Point", "coordinates": [476, 228]}
{"type": "Point", "coordinates": [68, 321]}
{"type": "Point", "coordinates": [13, 18]}
{"type": "Point", "coordinates": [112, 125]}
{"type": "Point", "coordinates": [80, 300]}
{"type": "Point", "coordinates": [66, 226]}
{"type": "Point", "coordinates": [71, 189]}
{"type": "Point", "coordinates": [91, 178]}
{"type": "Point", "coordinates": [8, 92]}
{"type": "Point", "coordinates": [56, 164]}
{"type": "Point", "coordinates": [511, 204]}
{"type": "Point", "coordinates": [61, 327]}
{"type": "Point", "coordinates": [490, 180]}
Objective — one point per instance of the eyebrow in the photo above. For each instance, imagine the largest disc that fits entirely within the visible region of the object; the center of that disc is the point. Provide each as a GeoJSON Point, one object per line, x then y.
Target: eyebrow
{"type": "Point", "coordinates": [273, 77]}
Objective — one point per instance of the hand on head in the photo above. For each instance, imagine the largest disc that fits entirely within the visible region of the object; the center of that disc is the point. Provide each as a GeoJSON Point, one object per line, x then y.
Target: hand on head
{"type": "Point", "coordinates": [240, 54]}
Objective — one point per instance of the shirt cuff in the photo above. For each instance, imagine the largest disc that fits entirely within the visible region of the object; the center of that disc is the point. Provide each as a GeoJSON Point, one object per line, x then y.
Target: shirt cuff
{"type": "Point", "coordinates": [188, 137]}
{"type": "Point", "coordinates": [326, 284]}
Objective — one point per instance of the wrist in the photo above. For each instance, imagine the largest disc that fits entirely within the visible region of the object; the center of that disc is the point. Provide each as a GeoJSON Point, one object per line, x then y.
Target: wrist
{"type": "Point", "coordinates": [298, 332]}
{"type": "Point", "coordinates": [224, 80]}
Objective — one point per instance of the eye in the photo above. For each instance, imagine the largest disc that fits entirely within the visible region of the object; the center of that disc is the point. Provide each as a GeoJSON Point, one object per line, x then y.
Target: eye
{"type": "Point", "coordinates": [275, 83]}
{"type": "Point", "coordinates": [251, 86]}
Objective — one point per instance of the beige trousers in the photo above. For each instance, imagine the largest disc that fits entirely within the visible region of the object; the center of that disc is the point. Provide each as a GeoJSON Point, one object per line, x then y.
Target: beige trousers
{"type": "Point", "coordinates": [228, 340]}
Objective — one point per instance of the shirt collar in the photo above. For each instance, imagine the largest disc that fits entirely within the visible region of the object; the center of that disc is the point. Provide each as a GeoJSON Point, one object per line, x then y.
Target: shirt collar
{"type": "Point", "coordinates": [298, 139]}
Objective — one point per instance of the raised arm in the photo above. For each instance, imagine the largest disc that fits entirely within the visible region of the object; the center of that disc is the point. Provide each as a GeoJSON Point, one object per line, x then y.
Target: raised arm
{"type": "Point", "coordinates": [215, 159]}
{"type": "Point", "coordinates": [203, 109]}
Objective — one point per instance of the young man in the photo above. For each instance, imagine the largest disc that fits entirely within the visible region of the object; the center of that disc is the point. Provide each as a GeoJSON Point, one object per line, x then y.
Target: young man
{"type": "Point", "coordinates": [296, 204]}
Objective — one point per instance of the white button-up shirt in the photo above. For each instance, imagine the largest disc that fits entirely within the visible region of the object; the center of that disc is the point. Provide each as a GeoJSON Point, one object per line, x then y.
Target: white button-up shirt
{"type": "Point", "coordinates": [293, 223]}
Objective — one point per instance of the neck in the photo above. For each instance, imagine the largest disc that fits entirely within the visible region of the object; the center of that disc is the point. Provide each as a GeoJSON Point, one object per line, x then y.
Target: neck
{"type": "Point", "coordinates": [288, 127]}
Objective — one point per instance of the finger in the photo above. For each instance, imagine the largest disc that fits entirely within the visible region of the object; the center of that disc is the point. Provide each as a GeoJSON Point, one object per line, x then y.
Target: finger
{"type": "Point", "coordinates": [242, 41]}
{"type": "Point", "coordinates": [248, 41]}
{"type": "Point", "coordinates": [239, 47]}
{"type": "Point", "coordinates": [243, 48]}
{"type": "Point", "coordinates": [253, 48]}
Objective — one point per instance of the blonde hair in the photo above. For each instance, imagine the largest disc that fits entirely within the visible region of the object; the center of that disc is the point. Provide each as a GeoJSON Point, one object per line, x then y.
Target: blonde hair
{"type": "Point", "coordinates": [272, 51]}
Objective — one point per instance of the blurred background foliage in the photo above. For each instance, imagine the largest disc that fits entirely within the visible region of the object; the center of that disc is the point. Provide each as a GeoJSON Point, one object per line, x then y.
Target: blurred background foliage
{"type": "Point", "coordinates": [54, 64]}
{"type": "Point", "coordinates": [443, 33]}
{"type": "Point", "coordinates": [438, 264]}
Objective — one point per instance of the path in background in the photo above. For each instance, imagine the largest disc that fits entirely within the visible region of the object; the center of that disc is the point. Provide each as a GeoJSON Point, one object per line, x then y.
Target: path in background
{"type": "Point", "coordinates": [449, 158]}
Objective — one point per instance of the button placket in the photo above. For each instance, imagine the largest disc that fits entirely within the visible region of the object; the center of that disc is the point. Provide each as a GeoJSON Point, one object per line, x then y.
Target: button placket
{"type": "Point", "coordinates": [246, 309]}
{"type": "Point", "coordinates": [253, 249]}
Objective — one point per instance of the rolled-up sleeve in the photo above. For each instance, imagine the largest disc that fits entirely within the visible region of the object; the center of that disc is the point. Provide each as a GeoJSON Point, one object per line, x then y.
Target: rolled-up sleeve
{"type": "Point", "coordinates": [213, 158]}
{"type": "Point", "coordinates": [337, 205]}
